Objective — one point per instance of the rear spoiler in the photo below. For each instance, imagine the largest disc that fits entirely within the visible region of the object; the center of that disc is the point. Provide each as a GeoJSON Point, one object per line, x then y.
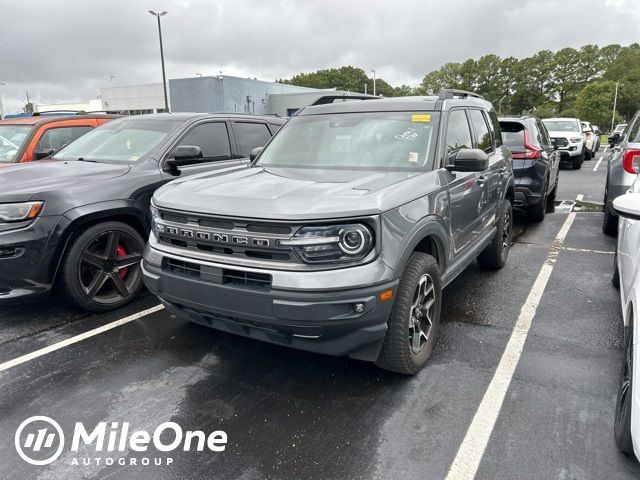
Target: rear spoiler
{"type": "Point", "coordinates": [325, 99]}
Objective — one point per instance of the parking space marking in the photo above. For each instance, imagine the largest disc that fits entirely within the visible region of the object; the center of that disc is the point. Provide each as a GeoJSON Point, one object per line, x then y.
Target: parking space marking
{"type": "Point", "coordinates": [595, 169]}
{"type": "Point", "coordinates": [579, 198]}
{"type": "Point", "coordinates": [467, 460]}
{"type": "Point", "coordinates": [78, 338]}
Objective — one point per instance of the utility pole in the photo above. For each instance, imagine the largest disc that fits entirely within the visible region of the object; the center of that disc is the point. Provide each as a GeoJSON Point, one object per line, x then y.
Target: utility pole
{"type": "Point", "coordinates": [1, 105]}
{"type": "Point", "coordinates": [164, 78]}
{"type": "Point", "coordinates": [615, 102]}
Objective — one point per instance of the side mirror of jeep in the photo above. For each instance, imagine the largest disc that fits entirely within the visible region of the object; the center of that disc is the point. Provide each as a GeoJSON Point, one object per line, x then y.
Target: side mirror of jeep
{"type": "Point", "coordinates": [185, 155]}
{"type": "Point", "coordinates": [613, 139]}
{"type": "Point", "coordinates": [255, 152]}
{"type": "Point", "coordinates": [469, 160]}
{"type": "Point", "coordinates": [40, 154]}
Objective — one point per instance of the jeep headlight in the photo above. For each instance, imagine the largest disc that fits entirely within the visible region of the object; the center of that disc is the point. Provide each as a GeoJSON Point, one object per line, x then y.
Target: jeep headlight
{"type": "Point", "coordinates": [19, 212]}
{"type": "Point", "coordinates": [332, 243]}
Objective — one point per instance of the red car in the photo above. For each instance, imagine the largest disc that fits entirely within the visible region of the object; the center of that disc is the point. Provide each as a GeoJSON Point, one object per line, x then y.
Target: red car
{"type": "Point", "coordinates": [25, 139]}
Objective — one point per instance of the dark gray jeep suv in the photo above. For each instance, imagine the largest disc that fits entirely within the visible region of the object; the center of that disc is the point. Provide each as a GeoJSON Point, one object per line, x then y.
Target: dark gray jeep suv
{"type": "Point", "coordinates": [341, 234]}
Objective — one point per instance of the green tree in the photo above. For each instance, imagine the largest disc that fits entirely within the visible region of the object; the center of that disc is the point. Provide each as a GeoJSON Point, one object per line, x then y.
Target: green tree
{"type": "Point", "coordinates": [594, 102]}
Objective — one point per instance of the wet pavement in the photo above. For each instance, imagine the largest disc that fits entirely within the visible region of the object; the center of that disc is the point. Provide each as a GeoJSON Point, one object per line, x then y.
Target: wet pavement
{"type": "Point", "coordinates": [291, 414]}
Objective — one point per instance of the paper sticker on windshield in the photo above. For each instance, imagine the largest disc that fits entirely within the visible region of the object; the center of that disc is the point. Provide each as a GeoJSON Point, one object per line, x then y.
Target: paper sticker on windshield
{"type": "Point", "coordinates": [413, 157]}
{"type": "Point", "coordinates": [420, 117]}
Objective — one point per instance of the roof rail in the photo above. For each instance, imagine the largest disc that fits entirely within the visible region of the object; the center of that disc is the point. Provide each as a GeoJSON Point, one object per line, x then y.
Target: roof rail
{"type": "Point", "coordinates": [70, 112]}
{"type": "Point", "coordinates": [450, 93]}
{"type": "Point", "coordinates": [323, 100]}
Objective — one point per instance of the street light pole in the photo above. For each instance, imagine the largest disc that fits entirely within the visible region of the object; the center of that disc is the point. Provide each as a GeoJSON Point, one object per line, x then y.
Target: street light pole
{"type": "Point", "coordinates": [615, 101]}
{"type": "Point", "coordinates": [500, 104]}
{"type": "Point", "coordinates": [1, 104]}
{"type": "Point", "coordinates": [164, 78]}
{"type": "Point", "coordinates": [374, 82]}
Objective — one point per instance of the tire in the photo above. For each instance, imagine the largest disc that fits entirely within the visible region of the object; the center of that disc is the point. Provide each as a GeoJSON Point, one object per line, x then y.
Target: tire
{"type": "Point", "coordinates": [101, 269]}
{"type": "Point", "coordinates": [410, 337]}
{"type": "Point", "coordinates": [609, 222]}
{"type": "Point", "coordinates": [495, 255]}
{"type": "Point", "coordinates": [622, 424]}
{"type": "Point", "coordinates": [554, 193]}
{"type": "Point", "coordinates": [588, 155]}
{"type": "Point", "coordinates": [615, 279]}
{"type": "Point", "coordinates": [538, 211]}
{"type": "Point", "coordinates": [578, 161]}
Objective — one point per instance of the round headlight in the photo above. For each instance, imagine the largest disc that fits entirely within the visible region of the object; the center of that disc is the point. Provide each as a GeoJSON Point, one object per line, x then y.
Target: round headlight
{"type": "Point", "coordinates": [352, 242]}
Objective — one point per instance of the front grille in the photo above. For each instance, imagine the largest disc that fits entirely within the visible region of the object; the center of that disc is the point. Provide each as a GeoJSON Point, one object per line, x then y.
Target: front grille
{"type": "Point", "coordinates": [241, 238]}
{"type": "Point", "coordinates": [224, 276]}
{"type": "Point", "coordinates": [561, 142]}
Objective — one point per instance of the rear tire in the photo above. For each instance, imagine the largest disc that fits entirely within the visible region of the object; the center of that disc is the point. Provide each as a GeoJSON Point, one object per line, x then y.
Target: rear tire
{"type": "Point", "coordinates": [609, 222]}
{"type": "Point", "coordinates": [622, 424]}
{"type": "Point", "coordinates": [495, 255]}
{"type": "Point", "coordinates": [101, 269]}
{"type": "Point", "coordinates": [414, 320]}
{"type": "Point", "coordinates": [615, 280]}
{"type": "Point", "coordinates": [538, 211]}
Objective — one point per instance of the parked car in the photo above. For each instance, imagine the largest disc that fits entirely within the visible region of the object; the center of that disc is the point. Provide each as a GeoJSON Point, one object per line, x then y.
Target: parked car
{"type": "Point", "coordinates": [567, 135]}
{"type": "Point", "coordinates": [592, 140]}
{"type": "Point", "coordinates": [596, 129]}
{"type": "Point", "coordinates": [621, 171]}
{"type": "Point", "coordinates": [627, 278]}
{"type": "Point", "coordinates": [536, 164]}
{"type": "Point", "coordinates": [81, 219]}
{"type": "Point", "coordinates": [25, 139]}
{"type": "Point", "coordinates": [340, 236]}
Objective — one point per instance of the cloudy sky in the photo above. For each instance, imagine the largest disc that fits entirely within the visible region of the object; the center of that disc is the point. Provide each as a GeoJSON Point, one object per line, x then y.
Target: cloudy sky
{"type": "Point", "coordinates": [62, 50]}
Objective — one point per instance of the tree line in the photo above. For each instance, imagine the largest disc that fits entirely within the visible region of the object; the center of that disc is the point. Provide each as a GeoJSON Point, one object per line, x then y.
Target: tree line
{"type": "Point", "coordinates": [570, 82]}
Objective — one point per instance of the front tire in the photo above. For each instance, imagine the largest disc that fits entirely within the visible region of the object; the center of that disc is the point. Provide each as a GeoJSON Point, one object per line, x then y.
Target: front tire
{"type": "Point", "coordinates": [101, 270]}
{"type": "Point", "coordinates": [622, 424]}
{"type": "Point", "coordinates": [578, 161]}
{"type": "Point", "coordinates": [495, 255]}
{"type": "Point", "coordinates": [415, 317]}
{"type": "Point", "coordinates": [610, 221]}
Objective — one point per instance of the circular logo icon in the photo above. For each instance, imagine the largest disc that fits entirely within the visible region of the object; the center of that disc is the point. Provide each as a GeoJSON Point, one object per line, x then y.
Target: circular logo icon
{"type": "Point", "coordinates": [39, 440]}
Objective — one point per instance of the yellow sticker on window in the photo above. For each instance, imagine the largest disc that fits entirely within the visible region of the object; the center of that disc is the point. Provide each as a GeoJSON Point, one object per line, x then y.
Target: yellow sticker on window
{"type": "Point", "coordinates": [420, 117]}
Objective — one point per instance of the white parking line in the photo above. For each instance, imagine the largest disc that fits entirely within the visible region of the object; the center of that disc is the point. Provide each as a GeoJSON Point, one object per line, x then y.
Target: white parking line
{"type": "Point", "coordinates": [579, 198]}
{"type": "Point", "coordinates": [467, 460]}
{"type": "Point", "coordinates": [595, 169]}
{"type": "Point", "coordinates": [78, 338]}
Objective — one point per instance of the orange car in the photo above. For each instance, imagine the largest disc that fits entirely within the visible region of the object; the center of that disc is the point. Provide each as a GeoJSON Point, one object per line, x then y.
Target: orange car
{"type": "Point", "coordinates": [25, 139]}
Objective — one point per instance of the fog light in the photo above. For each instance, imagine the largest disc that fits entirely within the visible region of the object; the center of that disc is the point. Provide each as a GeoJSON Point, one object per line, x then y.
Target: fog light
{"type": "Point", "coordinates": [358, 307]}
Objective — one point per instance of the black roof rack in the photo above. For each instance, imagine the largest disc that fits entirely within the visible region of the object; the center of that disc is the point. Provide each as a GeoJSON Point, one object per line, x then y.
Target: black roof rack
{"type": "Point", "coordinates": [332, 98]}
{"type": "Point", "coordinates": [70, 112]}
{"type": "Point", "coordinates": [450, 93]}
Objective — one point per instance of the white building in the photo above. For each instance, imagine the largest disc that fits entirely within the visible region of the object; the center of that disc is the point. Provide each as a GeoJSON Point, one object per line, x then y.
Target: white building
{"type": "Point", "coordinates": [134, 99]}
{"type": "Point", "coordinates": [94, 105]}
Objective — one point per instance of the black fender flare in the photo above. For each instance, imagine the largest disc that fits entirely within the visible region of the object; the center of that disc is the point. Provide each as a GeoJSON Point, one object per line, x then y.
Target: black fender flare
{"type": "Point", "coordinates": [429, 226]}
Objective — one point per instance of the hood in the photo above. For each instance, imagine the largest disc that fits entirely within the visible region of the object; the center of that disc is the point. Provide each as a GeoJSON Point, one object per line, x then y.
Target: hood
{"type": "Point", "coordinates": [295, 193]}
{"type": "Point", "coordinates": [24, 180]}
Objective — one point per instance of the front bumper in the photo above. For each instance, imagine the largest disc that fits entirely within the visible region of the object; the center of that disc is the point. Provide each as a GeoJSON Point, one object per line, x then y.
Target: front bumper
{"type": "Point", "coordinates": [27, 264]}
{"type": "Point", "coordinates": [316, 320]}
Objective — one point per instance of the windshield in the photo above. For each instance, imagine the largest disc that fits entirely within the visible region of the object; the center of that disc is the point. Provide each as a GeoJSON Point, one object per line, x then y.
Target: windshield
{"type": "Point", "coordinates": [120, 141]}
{"type": "Point", "coordinates": [11, 139]}
{"type": "Point", "coordinates": [365, 140]}
{"type": "Point", "coordinates": [562, 125]}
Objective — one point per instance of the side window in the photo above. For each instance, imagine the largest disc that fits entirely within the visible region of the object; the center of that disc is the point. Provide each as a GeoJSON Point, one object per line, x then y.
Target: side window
{"type": "Point", "coordinates": [213, 140]}
{"type": "Point", "coordinates": [494, 125]}
{"type": "Point", "coordinates": [534, 134]}
{"type": "Point", "coordinates": [458, 132]}
{"type": "Point", "coordinates": [634, 131]}
{"type": "Point", "coordinates": [483, 137]}
{"type": "Point", "coordinates": [544, 134]}
{"type": "Point", "coordinates": [250, 136]}
{"type": "Point", "coordinates": [274, 127]}
{"type": "Point", "coordinates": [58, 137]}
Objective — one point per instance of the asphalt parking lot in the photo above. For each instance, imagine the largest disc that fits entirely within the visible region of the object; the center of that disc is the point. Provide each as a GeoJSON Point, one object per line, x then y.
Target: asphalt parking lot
{"type": "Point", "coordinates": [292, 414]}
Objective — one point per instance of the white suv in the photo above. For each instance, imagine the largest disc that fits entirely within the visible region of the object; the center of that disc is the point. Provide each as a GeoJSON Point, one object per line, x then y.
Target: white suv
{"type": "Point", "coordinates": [567, 135]}
{"type": "Point", "coordinates": [591, 142]}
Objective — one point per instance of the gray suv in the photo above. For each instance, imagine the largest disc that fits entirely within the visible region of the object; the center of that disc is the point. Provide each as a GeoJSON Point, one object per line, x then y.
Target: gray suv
{"type": "Point", "coordinates": [342, 233]}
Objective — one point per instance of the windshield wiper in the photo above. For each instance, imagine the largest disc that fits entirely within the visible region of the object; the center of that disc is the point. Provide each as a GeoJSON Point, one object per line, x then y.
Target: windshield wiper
{"type": "Point", "coordinates": [82, 159]}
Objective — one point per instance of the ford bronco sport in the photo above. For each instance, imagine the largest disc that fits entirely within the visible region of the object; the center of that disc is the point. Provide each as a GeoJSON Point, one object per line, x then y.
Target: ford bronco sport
{"type": "Point", "coordinates": [342, 233]}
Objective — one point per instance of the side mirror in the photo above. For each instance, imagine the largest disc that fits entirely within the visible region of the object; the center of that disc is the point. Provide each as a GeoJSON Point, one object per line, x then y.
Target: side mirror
{"type": "Point", "coordinates": [185, 155]}
{"type": "Point", "coordinates": [628, 206]}
{"type": "Point", "coordinates": [613, 139]}
{"type": "Point", "coordinates": [554, 144]}
{"type": "Point", "coordinates": [469, 160]}
{"type": "Point", "coordinates": [255, 152]}
{"type": "Point", "coordinates": [40, 154]}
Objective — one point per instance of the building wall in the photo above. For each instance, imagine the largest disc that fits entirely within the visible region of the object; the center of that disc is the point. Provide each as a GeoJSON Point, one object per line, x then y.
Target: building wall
{"type": "Point", "coordinates": [285, 104]}
{"type": "Point", "coordinates": [224, 93]}
{"type": "Point", "coordinates": [134, 99]}
{"type": "Point", "coordinates": [93, 105]}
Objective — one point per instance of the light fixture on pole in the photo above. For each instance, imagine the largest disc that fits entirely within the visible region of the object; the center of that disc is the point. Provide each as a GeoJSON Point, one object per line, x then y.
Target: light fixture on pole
{"type": "Point", "coordinates": [374, 82]}
{"type": "Point", "coordinates": [164, 78]}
